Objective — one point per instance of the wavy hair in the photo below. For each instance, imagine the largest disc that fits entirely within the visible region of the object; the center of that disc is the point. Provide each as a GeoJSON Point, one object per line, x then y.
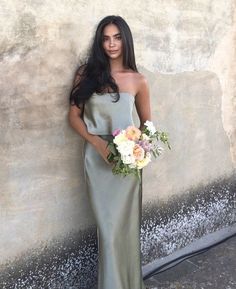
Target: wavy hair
{"type": "Point", "coordinates": [95, 73]}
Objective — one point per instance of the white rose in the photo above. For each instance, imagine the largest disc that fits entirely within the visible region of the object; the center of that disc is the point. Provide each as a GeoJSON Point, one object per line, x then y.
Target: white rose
{"type": "Point", "coordinates": [145, 137]}
{"type": "Point", "coordinates": [150, 126]}
{"type": "Point", "coordinates": [126, 147]}
{"type": "Point", "coordinates": [128, 159]}
{"type": "Point", "coordinates": [121, 137]}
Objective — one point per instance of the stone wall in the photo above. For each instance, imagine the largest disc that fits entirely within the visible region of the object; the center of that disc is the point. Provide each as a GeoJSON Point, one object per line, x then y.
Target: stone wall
{"type": "Point", "coordinates": [186, 49]}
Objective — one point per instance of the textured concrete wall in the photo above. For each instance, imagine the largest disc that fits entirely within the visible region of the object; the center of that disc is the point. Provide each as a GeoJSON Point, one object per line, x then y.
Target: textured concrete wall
{"type": "Point", "coordinates": [187, 51]}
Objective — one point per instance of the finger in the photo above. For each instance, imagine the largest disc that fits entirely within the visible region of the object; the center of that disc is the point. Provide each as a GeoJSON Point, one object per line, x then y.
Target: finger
{"type": "Point", "coordinates": [107, 161]}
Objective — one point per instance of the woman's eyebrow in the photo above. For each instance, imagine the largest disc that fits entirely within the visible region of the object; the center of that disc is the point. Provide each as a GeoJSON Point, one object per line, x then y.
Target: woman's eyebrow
{"type": "Point", "coordinates": [117, 34]}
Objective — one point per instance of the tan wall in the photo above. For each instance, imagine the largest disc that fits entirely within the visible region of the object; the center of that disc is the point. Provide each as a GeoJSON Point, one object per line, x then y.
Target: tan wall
{"type": "Point", "coordinates": [187, 51]}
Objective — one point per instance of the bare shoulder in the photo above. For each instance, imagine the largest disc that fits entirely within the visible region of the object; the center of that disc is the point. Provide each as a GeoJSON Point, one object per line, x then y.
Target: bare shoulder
{"type": "Point", "coordinates": [141, 79]}
{"type": "Point", "coordinates": [141, 82]}
{"type": "Point", "coordinates": [142, 98]}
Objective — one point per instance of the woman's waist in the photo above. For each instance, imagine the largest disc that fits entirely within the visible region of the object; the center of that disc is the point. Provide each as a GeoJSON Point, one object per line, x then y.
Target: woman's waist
{"type": "Point", "coordinates": [106, 128]}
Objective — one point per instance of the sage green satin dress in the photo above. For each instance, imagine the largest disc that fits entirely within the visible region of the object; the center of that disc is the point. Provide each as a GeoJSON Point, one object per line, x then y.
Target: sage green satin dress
{"type": "Point", "coordinates": [116, 201]}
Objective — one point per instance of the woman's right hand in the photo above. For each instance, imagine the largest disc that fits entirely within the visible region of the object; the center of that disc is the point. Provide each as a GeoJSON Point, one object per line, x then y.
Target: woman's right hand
{"type": "Point", "coordinates": [101, 147]}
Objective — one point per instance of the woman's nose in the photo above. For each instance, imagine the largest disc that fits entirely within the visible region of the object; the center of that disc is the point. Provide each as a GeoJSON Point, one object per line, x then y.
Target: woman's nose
{"type": "Point", "coordinates": [111, 43]}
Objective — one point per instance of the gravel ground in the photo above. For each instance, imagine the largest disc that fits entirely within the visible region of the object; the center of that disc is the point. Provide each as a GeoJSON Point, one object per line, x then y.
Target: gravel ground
{"type": "Point", "coordinates": [213, 269]}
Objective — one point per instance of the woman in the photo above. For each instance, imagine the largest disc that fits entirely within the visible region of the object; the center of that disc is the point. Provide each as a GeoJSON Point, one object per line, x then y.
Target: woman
{"type": "Point", "coordinates": [106, 88]}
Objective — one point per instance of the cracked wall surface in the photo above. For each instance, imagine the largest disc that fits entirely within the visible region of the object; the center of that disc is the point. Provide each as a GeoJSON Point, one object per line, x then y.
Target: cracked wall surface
{"type": "Point", "coordinates": [186, 49]}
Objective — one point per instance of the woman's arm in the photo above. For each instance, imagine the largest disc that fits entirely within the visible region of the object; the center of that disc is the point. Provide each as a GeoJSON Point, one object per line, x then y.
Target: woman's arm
{"type": "Point", "coordinates": [80, 127]}
{"type": "Point", "coordinates": [142, 101]}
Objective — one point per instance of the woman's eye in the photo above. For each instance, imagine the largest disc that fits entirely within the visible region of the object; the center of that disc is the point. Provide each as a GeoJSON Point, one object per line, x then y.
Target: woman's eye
{"type": "Point", "coordinates": [107, 39]}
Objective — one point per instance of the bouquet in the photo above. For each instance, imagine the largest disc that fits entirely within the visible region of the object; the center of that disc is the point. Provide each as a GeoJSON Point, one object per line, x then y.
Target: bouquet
{"type": "Point", "coordinates": [132, 149]}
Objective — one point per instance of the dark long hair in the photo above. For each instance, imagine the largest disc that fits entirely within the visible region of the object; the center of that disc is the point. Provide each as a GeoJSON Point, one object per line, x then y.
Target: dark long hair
{"type": "Point", "coordinates": [95, 74]}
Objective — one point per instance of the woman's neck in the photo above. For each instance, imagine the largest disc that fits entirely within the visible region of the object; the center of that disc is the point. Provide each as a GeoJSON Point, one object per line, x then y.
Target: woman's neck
{"type": "Point", "coordinates": [116, 65]}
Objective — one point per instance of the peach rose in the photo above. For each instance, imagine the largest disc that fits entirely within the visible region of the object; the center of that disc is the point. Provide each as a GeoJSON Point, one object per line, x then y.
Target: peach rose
{"type": "Point", "coordinates": [138, 152]}
{"type": "Point", "coordinates": [133, 133]}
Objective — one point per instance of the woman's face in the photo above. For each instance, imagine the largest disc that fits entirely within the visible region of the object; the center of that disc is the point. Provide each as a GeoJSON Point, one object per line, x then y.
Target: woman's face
{"type": "Point", "coordinates": [112, 42]}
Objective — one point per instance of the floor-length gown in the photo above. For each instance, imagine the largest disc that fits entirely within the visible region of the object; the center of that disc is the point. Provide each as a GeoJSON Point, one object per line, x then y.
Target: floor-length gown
{"type": "Point", "coordinates": [116, 201]}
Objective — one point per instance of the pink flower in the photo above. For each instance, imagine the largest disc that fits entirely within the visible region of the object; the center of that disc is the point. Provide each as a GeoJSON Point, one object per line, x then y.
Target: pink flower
{"type": "Point", "coordinates": [133, 133]}
{"type": "Point", "coordinates": [116, 132]}
{"type": "Point", "coordinates": [146, 145]}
